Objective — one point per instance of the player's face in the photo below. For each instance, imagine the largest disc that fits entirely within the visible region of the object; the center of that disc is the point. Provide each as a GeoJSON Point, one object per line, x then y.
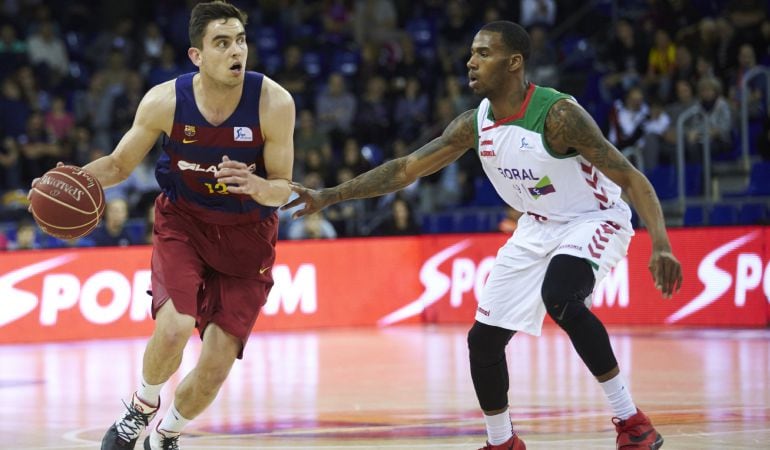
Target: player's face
{"type": "Point", "coordinates": [223, 56]}
{"type": "Point", "coordinates": [490, 63]}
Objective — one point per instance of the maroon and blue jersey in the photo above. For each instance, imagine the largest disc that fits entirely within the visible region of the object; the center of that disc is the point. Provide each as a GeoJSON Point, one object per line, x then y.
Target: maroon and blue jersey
{"type": "Point", "coordinates": [185, 171]}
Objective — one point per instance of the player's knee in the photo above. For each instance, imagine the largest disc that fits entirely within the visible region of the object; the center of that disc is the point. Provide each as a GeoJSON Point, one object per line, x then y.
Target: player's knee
{"type": "Point", "coordinates": [173, 334]}
{"type": "Point", "coordinates": [568, 281]}
{"type": "Point", "coordinates": [486, 344]}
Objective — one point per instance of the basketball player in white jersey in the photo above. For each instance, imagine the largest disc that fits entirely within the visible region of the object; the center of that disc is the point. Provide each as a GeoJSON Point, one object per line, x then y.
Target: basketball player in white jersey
{"type": "Point", "coordinates": [548, 159]}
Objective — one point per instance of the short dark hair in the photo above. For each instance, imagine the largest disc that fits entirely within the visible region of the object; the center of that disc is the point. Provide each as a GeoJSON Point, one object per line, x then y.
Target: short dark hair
{"type": "Point", "coordinates": [515, 37]}
{"type": "Point", "coordinates": [203, 13]}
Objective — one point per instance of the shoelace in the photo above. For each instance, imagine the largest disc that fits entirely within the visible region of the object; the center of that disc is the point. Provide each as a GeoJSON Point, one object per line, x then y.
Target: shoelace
{"type": "Point", "coordinates": [170, 443]}
{"type": "Point", "coordinates": [132, 424]}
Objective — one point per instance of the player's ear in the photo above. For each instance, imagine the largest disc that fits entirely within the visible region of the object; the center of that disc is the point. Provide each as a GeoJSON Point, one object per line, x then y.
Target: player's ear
{"type": "Point", "coordinates": [195, 56]}
{"type": "Point", "coordinates": [516, 62]}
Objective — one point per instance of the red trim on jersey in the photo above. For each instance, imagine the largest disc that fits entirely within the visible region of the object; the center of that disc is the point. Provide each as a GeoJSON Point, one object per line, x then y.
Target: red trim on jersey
{"type": "Point", "coordinates": [518, 115]}
{"type": "Point", "coordinates": [223, 137]}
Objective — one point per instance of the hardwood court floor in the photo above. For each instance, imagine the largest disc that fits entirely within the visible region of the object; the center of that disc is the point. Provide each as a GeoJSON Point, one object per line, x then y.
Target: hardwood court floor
{"type": "Point", "coordinates": [402, 388]}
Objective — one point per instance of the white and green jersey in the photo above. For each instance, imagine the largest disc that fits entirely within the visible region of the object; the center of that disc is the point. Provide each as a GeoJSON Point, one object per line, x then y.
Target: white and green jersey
{"type": "Point", "coordinates": [528, 175]}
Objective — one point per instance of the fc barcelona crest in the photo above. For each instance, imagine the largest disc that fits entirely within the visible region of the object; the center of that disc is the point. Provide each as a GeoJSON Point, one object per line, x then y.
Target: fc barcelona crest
{"type": "Point", "coordinates": [189, 130]}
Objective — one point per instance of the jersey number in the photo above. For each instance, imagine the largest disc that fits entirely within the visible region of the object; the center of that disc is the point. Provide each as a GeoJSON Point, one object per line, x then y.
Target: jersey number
{"type": "Point", "coordinates": [219, 188]}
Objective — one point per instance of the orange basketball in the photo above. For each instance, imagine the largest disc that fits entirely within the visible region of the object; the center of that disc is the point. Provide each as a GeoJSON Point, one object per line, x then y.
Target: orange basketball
{"type": "Point", "coordinates": [67, 202]}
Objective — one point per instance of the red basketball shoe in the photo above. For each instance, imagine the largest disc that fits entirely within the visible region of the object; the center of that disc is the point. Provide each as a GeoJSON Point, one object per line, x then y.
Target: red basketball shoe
{"type": "Point", "coordinates": [514, 443]}
{"type": "Point", "coordinates": [637, 432]}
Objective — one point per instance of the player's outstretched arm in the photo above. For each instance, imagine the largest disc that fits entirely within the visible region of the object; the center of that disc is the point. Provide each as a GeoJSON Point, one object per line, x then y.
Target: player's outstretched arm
{"type": "Point", "coordinates": [276, 115]}
{"type": "Point", "coordinates": [154, 115]}
{"type": "Point", "coordinates": [396, 174]}
{"type": "Point", "coordinates": [568, 125]}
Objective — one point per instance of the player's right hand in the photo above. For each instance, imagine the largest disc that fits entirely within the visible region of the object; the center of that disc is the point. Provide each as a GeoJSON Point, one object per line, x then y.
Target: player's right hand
{"type": "Point", "coordinates": [313, 200]}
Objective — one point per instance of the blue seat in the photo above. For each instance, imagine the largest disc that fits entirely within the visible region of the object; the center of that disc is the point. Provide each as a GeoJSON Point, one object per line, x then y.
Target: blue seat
{"type": "Point", "coordinates": [759, 180]}
{"type": "Point", "coordinates": [663, 179]}
{"type": "Point", "coordinates": [484, 193]}
{"type": "Point", "coordinates": [752, 214]}
{"type": "Point", "coordinates": [723, 214]}
{"type": "Point", "coordinates": [693, 216]}
{"type": "Point", "coordinates": [437, 223]}
{"type": "Point", "coordinates": [693, 180]}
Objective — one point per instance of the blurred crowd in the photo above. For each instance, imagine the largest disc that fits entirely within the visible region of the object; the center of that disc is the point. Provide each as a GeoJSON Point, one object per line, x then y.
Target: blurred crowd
{"type": "Point", "coordinates": [372, 80]}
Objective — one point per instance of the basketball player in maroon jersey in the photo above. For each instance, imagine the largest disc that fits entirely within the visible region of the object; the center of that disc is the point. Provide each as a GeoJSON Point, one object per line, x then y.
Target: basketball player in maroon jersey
{"type": "Point", "coordinates": [227, 162]}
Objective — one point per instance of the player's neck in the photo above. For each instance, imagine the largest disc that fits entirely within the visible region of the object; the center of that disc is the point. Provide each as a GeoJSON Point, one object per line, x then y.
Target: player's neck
{"type": "Point", "coordinates": [509, 101]}
{"type": "Point", "coordinates": [216, 101]}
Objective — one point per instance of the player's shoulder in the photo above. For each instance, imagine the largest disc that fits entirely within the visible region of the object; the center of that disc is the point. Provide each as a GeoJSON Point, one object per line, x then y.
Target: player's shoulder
{"type": "Point", "coordinates": [275, 91]}
{"type": "Point", "coordinates": [161, 95]}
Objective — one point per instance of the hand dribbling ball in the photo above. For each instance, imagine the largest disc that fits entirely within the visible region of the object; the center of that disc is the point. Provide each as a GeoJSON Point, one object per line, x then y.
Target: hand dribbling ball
{"type": "Point", "coordinates": [67, 202]}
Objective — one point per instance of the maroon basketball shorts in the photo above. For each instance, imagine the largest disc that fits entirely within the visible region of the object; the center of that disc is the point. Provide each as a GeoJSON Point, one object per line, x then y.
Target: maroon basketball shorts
{"type": "Point", "coordinates": [215, 273]}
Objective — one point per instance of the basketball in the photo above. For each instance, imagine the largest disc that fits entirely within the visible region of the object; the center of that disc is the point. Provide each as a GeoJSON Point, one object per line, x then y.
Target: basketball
{"type": "Point", "coordinates": [67, 202]}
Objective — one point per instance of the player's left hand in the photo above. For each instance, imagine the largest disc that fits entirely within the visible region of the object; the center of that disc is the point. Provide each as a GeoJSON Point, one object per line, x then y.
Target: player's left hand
{"type": "Point", "coordinates": [666, 271]}
{"type": "Point", "coordinates": [237, 176]}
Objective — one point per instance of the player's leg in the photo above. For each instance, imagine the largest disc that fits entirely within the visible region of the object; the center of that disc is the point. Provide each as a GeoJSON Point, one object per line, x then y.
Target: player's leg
{"type": "Point", "coordinates": [569, 281]}
{"type": "Point", "coordinates": [199, 388]}
{"type": "Point", "coordinates": [229, 309]}
{"type": "Point", "coordinates": [177, 272]}
{"type": "Point", "coordinates": [510, 301]}
{"type": "Point", "coordinates": [489, 372]}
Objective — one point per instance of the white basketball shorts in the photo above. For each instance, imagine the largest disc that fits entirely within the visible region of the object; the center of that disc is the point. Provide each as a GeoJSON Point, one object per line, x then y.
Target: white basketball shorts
{"type": "Point", "coordinates": [511, 297]}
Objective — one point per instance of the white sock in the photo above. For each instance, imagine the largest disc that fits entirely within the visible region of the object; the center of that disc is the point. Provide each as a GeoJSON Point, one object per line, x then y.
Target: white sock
{"type": "Point", "coordinates": [149, 393]}
{"type": "Point", "coordinates": [499, 427]}
{"type": "Point", "coordinates": [173, 421]}
{"type": "Point", "coordinates": [619, 397]}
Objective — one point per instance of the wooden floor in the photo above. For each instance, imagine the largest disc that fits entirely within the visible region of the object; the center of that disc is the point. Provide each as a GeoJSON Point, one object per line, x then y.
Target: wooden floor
{"type": "Point", "coordinates": [402, 388]}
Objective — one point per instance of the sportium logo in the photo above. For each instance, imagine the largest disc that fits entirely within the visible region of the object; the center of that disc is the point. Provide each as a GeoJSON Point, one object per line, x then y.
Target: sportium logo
{"type": "Point", "coordinates": [466, 276]}
{"type": "Point", "coordinates": [62, 291]}
{"type": "Point", "coordinates": [106, 296]}
{"type": "Point", "coordinates": [717, 282]}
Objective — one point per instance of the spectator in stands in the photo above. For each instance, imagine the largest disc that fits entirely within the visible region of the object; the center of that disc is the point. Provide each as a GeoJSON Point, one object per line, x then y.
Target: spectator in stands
{"type": "Point", "coordinates": [684, 67]}
{"type": "Point", "coordinates": [343, 215]}
{"type": "Point", "coordinates": [94, 107]}
{"type": "Point", "coordinates": [26, 237]}
{"type": "Point", "coordinates": [755, 92]}
{"type": "Point", "coordinates": [39, 149]}
{"type": "Point", "coordinates": [542, 66]}
{"type": "Point", "coordinates": [412, 110]}
{"type": "Point", "coordinates": [13, 51]}
{"type": "Point", "coordinates": [401, 221]}
{"type": "Point", "coordinates": [537, 12]}
{"type": "Point", "coordinates": [9, 164]}
{"type": "Point", "coordinates": [627, 120]}
{"type": "Point", "coordinates": [59, 121]}
{"type": "Point", "coordinates": [455, 92]}
{"type": "Point", "coordinates": [165, 68]}
{"type": "Point", "coordinates": [45, 48]}
{"type": "Point", "coordinates": [308, 136]}
{"type": "Point", "coordinates": [654, 147]}
{"type": "Point", "coordinates": [375, 21]}
{"type": "Point", "coordinates": [352, 158]}
{"type": "Point", "coordinates": [717, 122]}
{"type": "Point", "coordinates": [335, 108]}
{"type": "Point", "coordinates": [685, 99]}
{"type": "Point", "coordinates": [293, 77]}
{"type": "Point", "coordinates": [626, 60]}
{"type": "Point", "coordinates": [661, 65]}
{"type": "Point", "coordinates": [113, 232]}
{"type": "Point", "coordinates": [373, 123]}
{"type": "Point", "coordinates": [13, 109]}
{"type": "Point", "coordinates": [125, 103]}
{"type": "Point", "coordinates": [313, 226]}
{"type": "Point", "coordinates": [36, 96]}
